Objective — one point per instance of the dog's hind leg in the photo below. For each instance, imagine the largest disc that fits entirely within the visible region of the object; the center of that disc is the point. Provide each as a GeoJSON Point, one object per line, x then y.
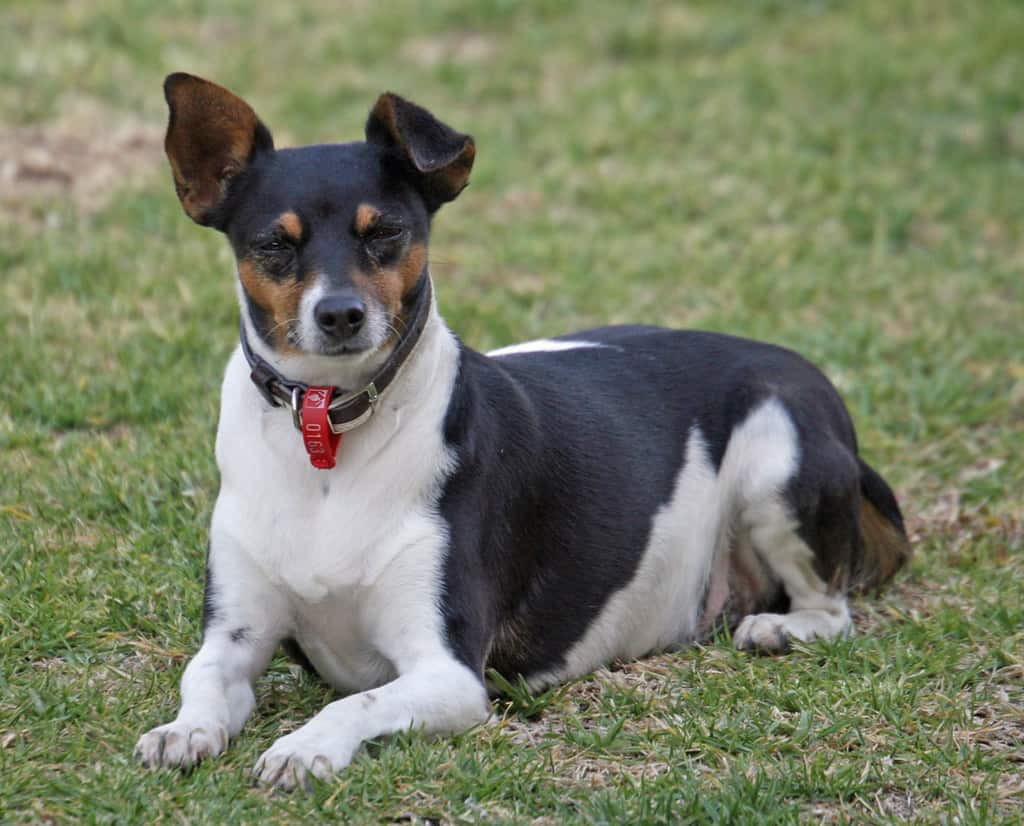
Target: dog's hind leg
{"type": "Point", "coordinates": [816, 609]}
{"type": "Point", "coordinates": [833, 529]}
{"type": "Point", "coordinates": [795, 516]}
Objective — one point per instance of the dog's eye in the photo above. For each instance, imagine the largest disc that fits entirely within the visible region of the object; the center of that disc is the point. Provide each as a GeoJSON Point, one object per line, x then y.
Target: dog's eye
{"type": "Point", "coordinates": [272, 246]}
{"type": "Point", "coordinates": [385, 234]}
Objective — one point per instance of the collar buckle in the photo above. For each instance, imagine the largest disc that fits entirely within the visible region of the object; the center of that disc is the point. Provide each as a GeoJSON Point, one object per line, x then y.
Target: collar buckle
{"type": "Point", "coordinates": [371, 396]}
{"type": "Point", "coordinates": [296, 407]}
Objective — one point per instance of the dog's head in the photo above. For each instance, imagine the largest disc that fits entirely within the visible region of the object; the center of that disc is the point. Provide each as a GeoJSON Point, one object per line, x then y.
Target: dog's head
{"type": "Point", "coordinates": [331, 240]}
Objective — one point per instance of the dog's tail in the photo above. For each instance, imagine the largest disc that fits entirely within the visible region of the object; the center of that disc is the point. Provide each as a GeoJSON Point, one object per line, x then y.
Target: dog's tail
{"type": "Point", "coordinates": [886, 547]}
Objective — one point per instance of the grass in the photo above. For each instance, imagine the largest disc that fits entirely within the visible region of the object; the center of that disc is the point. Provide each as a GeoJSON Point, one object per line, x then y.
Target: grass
{"type": "Point", "coordinates": [842, 178]}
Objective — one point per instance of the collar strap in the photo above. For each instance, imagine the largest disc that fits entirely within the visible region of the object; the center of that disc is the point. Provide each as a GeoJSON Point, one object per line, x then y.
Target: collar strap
{"type": "Point", "coordinates": [347, 410]}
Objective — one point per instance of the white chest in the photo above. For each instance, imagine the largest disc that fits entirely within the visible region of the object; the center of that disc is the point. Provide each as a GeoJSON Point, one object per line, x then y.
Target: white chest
{"type": "Point", "coordinates": [355, 552]}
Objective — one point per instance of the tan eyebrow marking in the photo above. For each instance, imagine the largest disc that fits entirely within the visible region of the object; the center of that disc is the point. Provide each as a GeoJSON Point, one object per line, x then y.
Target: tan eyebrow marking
{"type": "Point", "coordinates": [366, 217]}
{"type": "Point", "coordinates": [291, 225]}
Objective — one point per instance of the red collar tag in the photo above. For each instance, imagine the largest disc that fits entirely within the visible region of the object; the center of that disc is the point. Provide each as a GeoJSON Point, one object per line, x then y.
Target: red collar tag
{"type": "Point", "coordinates": [321, 442]}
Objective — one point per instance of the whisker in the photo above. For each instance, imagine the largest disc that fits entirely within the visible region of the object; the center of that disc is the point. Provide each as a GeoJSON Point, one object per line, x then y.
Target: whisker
{"type": "Point", "coordinates": [281, 324]}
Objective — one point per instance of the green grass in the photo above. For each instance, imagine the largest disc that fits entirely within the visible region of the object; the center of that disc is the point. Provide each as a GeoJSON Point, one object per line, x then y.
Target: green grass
{"type": "Point", "coordinates": [841, 178]}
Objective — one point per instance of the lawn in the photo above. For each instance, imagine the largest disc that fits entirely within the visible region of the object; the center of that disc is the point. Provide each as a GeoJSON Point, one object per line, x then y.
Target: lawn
{"type": "Point", "coordinates": [846, 179]}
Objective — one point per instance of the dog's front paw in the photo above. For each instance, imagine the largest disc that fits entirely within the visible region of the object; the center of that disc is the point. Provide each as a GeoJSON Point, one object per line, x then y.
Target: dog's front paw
{"type": "Point", "coordinates": [765, 633]}
{"type": "Point", "coordinates": [180, 745]}
{"type": "Point", "coordinates": [293, 758]}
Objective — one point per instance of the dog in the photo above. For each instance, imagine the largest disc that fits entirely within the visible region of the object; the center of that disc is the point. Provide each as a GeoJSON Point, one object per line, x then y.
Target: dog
{"type": "Point", "coordinates": [406, 513]}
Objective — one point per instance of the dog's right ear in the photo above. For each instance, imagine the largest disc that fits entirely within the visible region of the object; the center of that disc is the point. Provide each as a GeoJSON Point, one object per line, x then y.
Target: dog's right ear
{"type": "Point", "coordinates": [212, 135]}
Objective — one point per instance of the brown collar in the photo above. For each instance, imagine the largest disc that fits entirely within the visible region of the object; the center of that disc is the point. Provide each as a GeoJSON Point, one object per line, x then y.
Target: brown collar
{"type": "Point", "coordinates": [347, 409]}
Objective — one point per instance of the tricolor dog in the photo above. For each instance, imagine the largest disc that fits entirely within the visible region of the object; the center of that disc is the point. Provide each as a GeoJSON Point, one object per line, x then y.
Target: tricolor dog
{"type": "Point", "coordinates": [406, 513]}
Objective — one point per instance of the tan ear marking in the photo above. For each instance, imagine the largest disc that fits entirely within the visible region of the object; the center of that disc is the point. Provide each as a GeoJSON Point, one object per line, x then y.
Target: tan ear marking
{"type": "Point", "coordinates": [384, 111]}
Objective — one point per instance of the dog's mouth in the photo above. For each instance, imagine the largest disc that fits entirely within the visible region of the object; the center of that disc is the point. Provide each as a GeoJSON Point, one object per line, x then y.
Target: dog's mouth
{"type": "Point", "coordinates": [343, 349]}
{"type": "Point", "coordinates": [319, 345]}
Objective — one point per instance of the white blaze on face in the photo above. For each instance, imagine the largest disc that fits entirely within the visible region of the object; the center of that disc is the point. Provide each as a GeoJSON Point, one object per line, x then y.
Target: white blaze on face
{"type": "Point", "coordinates": [373, 334]}
{"type": "Point", "coordinates": [309, 331]}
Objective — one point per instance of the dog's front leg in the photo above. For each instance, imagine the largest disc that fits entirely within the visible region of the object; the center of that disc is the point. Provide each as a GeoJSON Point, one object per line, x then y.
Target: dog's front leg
{"type": "Point", "coordinates": [245, 621]}
{"type": "Point", "coordinates": [440, 696]}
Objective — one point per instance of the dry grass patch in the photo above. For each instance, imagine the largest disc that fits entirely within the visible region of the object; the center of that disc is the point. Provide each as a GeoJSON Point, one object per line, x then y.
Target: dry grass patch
{"type": "Point", "coordinates": [462, 48]}
{"type": "Point", "coordinates": [84, 156]}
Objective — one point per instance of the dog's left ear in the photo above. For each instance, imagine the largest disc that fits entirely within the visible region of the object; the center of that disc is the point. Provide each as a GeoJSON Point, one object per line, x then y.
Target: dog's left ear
{"type": "Point", "coordinates": [440, 157]}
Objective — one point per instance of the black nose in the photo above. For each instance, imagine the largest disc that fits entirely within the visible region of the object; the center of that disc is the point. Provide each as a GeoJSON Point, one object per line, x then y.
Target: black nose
{"type": "Point", "coordinates": [340, 315]}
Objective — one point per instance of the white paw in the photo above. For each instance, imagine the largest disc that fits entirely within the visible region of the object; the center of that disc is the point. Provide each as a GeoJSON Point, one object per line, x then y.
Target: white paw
{"type": "Point", "coordinates": [293, 758]}
{"type": "Point", "coordinates": [762, 632]}
{"type": "Point", "coordinates": [180, 744]}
